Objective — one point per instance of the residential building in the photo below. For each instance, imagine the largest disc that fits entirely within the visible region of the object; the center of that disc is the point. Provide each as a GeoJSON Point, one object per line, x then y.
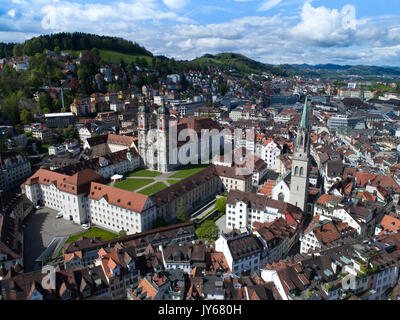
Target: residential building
{"type": "Point", "coordinates": [14, 170]}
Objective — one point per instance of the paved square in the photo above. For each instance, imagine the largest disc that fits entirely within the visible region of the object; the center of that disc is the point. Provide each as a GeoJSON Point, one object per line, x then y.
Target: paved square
{"type": "Point", "coordinates": [41, 227]}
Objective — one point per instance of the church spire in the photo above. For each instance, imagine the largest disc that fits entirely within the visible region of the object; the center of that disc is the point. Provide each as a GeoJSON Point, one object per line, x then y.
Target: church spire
{"type": "Point", "coordinates": [304, 117]}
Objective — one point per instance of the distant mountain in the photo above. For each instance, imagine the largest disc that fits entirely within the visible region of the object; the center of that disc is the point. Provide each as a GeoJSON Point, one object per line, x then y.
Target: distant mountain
{"type": "Point", "coordinates": [341, 71]}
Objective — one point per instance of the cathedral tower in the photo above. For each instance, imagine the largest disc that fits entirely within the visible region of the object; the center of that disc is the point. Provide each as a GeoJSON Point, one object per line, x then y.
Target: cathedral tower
{"type": "Point", "coordinates": [143, 128]}
{"type": "Point", "coordinates": [163, 138]}
{"type": "Point", "coordinates": [300, 164]}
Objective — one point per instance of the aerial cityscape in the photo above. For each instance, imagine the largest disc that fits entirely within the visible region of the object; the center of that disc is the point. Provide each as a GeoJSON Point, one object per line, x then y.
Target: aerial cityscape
{"type": "Point", "coordinates": [170, 151]}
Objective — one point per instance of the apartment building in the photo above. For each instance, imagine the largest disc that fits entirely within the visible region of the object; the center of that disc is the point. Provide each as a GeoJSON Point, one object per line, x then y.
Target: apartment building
{"type": "Point", "coordinates": [11, 241]}
{"type": "Point", "coordinates": [245, 208]}
{"type": "Point", "coordinates": [14, 170]}
{"type": "Point", "coordinates": [242, 251]}
{"type": "Point", "coordinates": [269, 151]}
{"type": "Point", "coordinates": [321, 232]}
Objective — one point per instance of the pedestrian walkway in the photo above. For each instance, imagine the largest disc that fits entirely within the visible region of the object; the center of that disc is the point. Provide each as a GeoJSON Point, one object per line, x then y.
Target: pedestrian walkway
{"type": "Point", "coordinates": [160, 178]}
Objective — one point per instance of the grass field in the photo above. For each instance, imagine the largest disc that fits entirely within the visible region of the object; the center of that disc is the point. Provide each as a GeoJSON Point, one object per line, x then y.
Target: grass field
{"type": "Point", "coordinates": [92, 233]}
{"type": "Point", "coordinates": [189, 171]}
{"type": "Point", "coordinates": [132, 184]}
{"type": "Point", "coordinates": [173, 181]}
{"type": "Point", "coordinates": [154, 188]}
{"type": "Point", "coordinates": [113, 56]}
{"type": "Point", "coordinates": [144, 173]}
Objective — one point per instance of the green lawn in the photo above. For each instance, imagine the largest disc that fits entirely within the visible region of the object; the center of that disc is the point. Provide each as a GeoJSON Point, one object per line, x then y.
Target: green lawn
{"type": "Point", "coordinates": [113, 56]}
{"type": "Point", "coordinates": [173, 181]}
{"type": "Point", "coordinates": [92, 233]}
{"type": "Point", "coordinates": [154, 188]}
{"type": "Point", "coordinates": [189, 171]}
{"type": "Point", "coordinates": [144, 173]}
{"type": "Point", "coordinates": [132, 184]}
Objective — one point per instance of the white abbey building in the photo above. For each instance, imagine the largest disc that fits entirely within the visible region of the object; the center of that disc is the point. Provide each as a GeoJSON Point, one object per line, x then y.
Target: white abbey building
{"type": "Point", "coordinates": [84, 198]}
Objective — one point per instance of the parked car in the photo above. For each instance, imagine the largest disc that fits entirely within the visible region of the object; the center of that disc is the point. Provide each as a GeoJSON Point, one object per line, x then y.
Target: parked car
{"type": "Point", "coordinates": [85, 226]}
{"type": "Point", "coordinates": [59, 215]}
{"type": "Point", "coordinates": [37, 207]}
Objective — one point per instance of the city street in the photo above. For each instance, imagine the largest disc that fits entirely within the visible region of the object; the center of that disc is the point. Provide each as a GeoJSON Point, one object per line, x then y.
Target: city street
{"type": "Point", "coordinates": [41, 227]}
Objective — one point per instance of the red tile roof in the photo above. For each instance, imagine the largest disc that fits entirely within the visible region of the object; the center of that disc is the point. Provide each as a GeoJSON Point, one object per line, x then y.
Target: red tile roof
{"type": "Point", "coordinates": [118, 197]}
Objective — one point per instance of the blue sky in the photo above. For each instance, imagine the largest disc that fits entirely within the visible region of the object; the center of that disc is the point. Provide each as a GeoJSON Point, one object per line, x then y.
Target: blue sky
{"type": "Point", "coordinates": [271, 31]}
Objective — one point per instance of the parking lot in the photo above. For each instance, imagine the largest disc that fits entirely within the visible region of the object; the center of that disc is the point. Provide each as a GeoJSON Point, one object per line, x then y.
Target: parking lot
{"type": "Point", "coordinates": [41, 227]}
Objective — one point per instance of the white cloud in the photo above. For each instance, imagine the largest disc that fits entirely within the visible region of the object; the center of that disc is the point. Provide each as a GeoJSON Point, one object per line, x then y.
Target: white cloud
{"type": "Point", "coordinates": [176, 4]}
{"type": "Point", "coordinates": [323, 27]}
{"type": "Point", "coordinates": [11, 13]}
{"type": "Point", "coordinates": [268, 5]}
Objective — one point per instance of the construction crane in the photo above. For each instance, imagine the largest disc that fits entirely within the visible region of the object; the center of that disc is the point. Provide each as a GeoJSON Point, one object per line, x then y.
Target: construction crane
{"type": "Point", "coordinates": [57, 89]}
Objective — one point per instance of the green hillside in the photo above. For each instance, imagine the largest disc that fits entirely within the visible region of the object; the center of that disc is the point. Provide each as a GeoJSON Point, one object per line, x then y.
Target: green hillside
{"type": "Point", "coordinates": [114, 56]}
{"type": "Point", "coordinates": [239, 63]}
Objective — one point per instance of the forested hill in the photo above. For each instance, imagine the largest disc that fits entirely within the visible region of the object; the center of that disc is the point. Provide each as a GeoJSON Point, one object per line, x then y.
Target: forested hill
{"type": "Point", "coordinates": [238, 63]}
{"type": "Point", "coordinates": [335, 71]}
{"type": "Point", "coordinates": [71, 41]}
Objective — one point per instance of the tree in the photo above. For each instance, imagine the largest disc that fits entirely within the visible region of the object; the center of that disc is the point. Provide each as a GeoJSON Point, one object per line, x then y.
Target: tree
{"type": "Point", "coordinates": [69, 132]}
{"type": "Point", "coordinates": [4, 142]}
{"type": "Point", "coordinates": [26, 116]}
{"type": "Point", "coordinates": [181, 214]}
{"type": "Point", "coordinates": [10, 110]}
{"type": "Point", "coordinates": [44, 102]}
{"type": "Point", "coordinates": [220, 205]}
{"type": "Point", "coordinates": [122, 233]}
{"type": "Point", "coordinates": [159, 222]}
{"type": "Point", "coordinates": [208, 230]}
{"type": "Point", "coordinates": [18, 129]}
{"type": "Point", "coordinates": [18, 50]}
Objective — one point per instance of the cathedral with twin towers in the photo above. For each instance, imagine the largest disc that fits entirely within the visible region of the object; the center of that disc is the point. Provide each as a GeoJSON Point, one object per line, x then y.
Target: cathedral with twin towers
{"type": "Point", "coordinates": [154, 147]}
{"type": "Point", "coordinates": [163, 152]}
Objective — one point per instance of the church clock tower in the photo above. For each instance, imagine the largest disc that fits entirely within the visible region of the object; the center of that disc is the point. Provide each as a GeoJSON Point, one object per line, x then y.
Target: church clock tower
{"type": "Point", "coordinates": [300, 164]}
